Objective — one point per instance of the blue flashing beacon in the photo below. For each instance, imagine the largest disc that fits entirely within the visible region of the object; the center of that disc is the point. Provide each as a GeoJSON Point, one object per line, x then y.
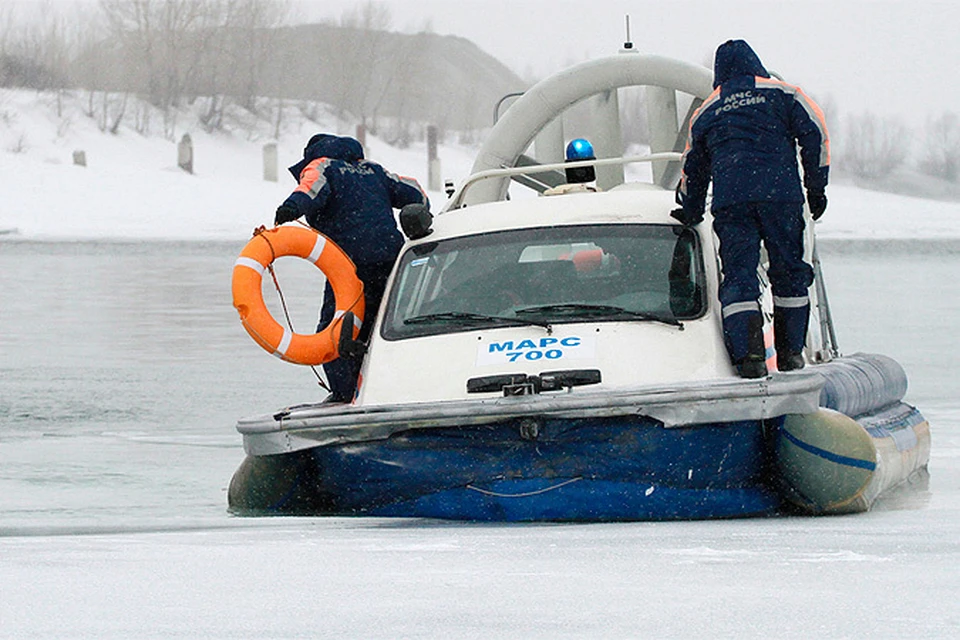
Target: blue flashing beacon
{"type": "Point", "coordinates": [580, 149]}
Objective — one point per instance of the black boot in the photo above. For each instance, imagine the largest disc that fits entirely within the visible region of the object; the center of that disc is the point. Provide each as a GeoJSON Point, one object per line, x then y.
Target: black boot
{"type": "Point", "coordinates": [790, 361]}
{"type": "Point", "coordinates": [754, 364]}
{"type": "Point", "coordinates": [789, 332]}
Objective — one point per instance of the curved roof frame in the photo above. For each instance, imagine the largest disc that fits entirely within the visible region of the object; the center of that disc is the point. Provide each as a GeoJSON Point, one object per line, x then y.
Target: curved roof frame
{"type": "Point", "coordinates": [549, 98]}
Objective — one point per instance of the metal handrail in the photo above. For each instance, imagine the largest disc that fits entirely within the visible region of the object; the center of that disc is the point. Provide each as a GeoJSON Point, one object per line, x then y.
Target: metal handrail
{"type": "Point", "coordinates": [496, 109]}
{"type": "Point", "coordinates": [456, 200]}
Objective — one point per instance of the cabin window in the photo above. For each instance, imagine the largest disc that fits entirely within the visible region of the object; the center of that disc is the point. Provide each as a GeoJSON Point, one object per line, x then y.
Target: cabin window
{"type": "Point", "coordinates": [582, 273]}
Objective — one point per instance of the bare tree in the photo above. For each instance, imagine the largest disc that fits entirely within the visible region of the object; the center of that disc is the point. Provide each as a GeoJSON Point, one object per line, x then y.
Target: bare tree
{"type": "Point", "coordinates": [183, 49]}
{"type": "Point", "coordinates": [831, 113]}
{"type": "Point", "coordinates": [244, 42]}
{"type": "Point", "coordinates": [56, 51]}
{"type": "Point", "coordinates": [942, 150]}
{"type": "Point", "coordinates": [7, 23]}
{"type": "Point", "coordinates": [130, 24]}
{"type": "Point", "coordinates": [874, 147]}
{"type": "Point", "coordinates": [35, 50]}
{"type": "Point", "coordinates": [398, 90]}
{"type": "Point", "coordinates": [253, 26]}
{"type": "Point", "coordinates": [162, 40]}
{"type": "Point", "coordinates": [363, 42]}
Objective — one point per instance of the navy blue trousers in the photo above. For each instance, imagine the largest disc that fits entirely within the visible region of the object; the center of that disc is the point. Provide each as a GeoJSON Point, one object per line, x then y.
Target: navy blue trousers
{"type": "Point", "coordinates": [741, 228]}
{"type": "Point", "coordinates": [342, 373]}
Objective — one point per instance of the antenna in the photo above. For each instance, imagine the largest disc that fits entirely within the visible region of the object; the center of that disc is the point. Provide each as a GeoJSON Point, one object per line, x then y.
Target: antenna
{"type": "Point", "coordinates": [628, 44]}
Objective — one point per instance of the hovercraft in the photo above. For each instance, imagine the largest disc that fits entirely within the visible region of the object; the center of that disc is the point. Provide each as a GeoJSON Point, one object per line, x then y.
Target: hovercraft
{"type": "Point", "coordinates": [561, 357]}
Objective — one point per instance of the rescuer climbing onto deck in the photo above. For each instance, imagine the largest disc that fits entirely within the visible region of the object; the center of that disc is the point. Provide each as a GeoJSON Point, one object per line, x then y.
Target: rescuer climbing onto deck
{"type": "Point", "coordinates": [350, 200]}
{"type": "Point", "coordinates": [744, 137]}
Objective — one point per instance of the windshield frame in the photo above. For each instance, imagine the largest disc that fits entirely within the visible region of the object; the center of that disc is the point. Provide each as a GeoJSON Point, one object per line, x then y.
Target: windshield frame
{"type": "Point", "coordinates": [424, 251]}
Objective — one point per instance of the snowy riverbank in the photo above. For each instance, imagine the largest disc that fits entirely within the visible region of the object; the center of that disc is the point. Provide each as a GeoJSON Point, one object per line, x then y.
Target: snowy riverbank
{"type": "Point", "coordinates": [132, 187]}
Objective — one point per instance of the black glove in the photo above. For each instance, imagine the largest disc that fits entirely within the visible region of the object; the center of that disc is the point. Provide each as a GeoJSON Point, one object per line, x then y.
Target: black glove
{"type": "Point", "coordinates": [286, 213]}
{"type": "Point", "coordinates": [686, 219]}
{"type": "Point", "coordinates": [818, 204]}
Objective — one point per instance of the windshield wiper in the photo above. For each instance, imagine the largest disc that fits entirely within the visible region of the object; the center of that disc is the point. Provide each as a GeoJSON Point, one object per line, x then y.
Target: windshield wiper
{"type": "Point", "coordinates": [466, 318]}
{"type": "Point", "coordinates": [580, 310]}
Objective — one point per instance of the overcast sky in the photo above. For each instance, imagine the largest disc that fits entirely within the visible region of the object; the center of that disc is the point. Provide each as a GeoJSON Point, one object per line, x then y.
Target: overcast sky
{"type": "Point", "coordinates": [886, 57]}
{"type": "Point", "coordinates": [891, 58]}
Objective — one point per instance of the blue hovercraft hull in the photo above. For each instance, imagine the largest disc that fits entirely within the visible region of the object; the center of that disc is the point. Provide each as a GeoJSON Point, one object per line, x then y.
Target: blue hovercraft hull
{"type": "Point", "coordinates": [517, 462]}
{"type": "Point", "coordinates": [573, 470]}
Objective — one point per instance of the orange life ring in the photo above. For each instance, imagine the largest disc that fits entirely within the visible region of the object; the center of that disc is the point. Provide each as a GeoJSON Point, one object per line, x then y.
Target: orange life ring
{"type": "Point", "coordinates": [265, 247]}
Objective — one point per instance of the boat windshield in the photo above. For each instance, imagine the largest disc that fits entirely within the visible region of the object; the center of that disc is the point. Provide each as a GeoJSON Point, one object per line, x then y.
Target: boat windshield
{"type": "Point", "coordinates": [547, 275]}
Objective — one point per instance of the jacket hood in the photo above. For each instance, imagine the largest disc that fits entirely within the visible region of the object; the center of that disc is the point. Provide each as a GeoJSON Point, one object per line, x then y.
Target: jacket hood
{"type": "Point", "coordinates": [324, 145]}
{"type": "Point", "coordinates": [736, 58]}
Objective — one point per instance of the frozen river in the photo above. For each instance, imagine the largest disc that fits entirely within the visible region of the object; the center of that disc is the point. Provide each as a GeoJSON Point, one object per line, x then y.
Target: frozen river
{"type": "Point", "coordinates": [123, 369]}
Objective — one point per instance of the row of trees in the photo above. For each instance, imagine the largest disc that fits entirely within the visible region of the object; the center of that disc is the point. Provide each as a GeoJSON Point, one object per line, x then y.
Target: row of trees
{"type": "Point", "coordinates": [873, 147]}
{"type": "Point", "coordinates": [157, 49]}
{"type": "Point", "coordinates": [172, 52]}
{"type": "Point", "coordinates": [863, 145]}
{"type": "Point", "coordinates": [236, 52]}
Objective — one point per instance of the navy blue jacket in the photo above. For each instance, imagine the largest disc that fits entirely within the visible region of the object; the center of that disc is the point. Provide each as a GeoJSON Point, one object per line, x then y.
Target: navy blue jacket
{"type": "Point", "coordinates": [745, 137]}
{"type": "Point", "coordinates": [351, 200]}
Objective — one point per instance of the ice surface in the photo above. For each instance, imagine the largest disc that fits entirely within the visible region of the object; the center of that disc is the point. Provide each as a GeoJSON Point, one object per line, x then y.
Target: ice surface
{"type": "Point", "coordinates": [113, 520]}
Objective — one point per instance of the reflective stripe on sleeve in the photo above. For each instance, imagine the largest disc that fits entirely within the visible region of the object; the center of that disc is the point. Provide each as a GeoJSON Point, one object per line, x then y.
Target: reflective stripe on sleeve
{"type": "Point", "coordinates": [410, 182]}
{"type": "Point", "coordinates": [312, 178]}
{"type": "Point", "coordinates": [813, 111]}
{"type": "Point", "coordinates": [711, 99]}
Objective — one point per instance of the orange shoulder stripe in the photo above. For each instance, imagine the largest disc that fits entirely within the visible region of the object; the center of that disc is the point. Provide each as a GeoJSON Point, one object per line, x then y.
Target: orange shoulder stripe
{"type": "Point", "coordinates": [312, 178]}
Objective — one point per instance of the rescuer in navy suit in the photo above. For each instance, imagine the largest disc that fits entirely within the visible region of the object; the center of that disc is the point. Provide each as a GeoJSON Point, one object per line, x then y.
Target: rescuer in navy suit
{"type": "Point", "coordinates": [745, 138]}
{"type": "Point", "coordinates": [350, 200]}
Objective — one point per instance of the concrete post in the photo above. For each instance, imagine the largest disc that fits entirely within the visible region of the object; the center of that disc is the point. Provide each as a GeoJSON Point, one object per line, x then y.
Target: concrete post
{"type": "Point", "coordinates": [361, 135]}
{"type": "Point", "coordinates": [270, 162]}
{"type": "Point", "coordinates": [185, 153]}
